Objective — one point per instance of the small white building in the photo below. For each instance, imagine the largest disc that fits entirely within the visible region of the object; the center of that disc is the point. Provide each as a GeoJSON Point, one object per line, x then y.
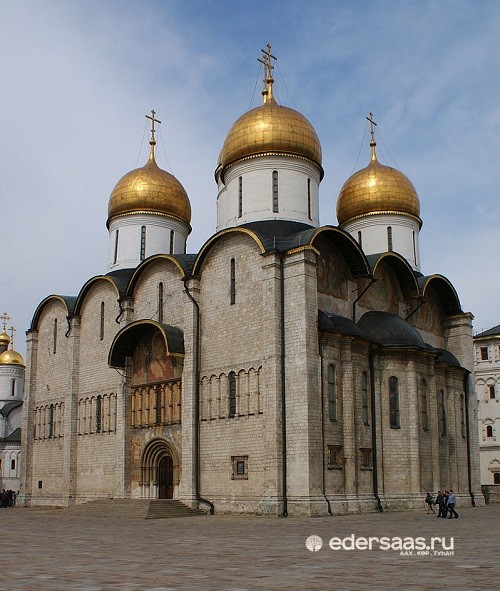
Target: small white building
{"type": "Point", "coordinates": [11, 401]}
{"type": "Point", "coordinates": [487, 362]}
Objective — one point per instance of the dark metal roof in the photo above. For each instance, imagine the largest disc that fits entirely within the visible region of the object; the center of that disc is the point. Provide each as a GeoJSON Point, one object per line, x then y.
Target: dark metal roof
{"type": "Point", "coordinates": [446, 357]}
{"type": "Point", "coordinates": [121, 278]}
{"type": "Point", "coordinates": [125, 341]}
{"type": "Point", "coordinates": [5, 410]}
{"type": "Point", "coordinates": [68, 301]}
{"type": "Point", "coordinates": [281, 235]}
{"type": "Point", "coordinates": [390, 330]}
{"type": "Point", "coordinates": [445, 290]}
{"type": "Point", "coordinates": [14, 437]}
{"type": "Point", "coordinates": [402, 269]}
{"type": "Point", "coordinates": [328, 322]}
{"type": "Point", "coordinates": [491, 332]}
{"type": "Point", "coordinates": [186, 261]}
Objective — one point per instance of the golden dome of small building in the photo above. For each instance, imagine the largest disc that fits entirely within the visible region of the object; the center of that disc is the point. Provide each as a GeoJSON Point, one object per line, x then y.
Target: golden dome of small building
{"type": "Point", "coordinates": [271, 129]}
{"type": "Point", "coordinates": [377, 189]}
{"type": "Point", "coordinates": [11, 357]}
{"type": "Point", "coordinates": [149, 190]}
{"type": "Point", "coordinates": [4, 339]}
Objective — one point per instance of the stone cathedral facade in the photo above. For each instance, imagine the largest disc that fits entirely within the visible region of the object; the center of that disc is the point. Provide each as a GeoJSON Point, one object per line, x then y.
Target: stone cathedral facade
{"type": "Point", "coordinates": [286, 368]}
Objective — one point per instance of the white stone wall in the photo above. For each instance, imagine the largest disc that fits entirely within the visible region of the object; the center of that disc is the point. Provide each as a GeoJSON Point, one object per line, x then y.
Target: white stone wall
{"type": "Point", "coordinates": [158, 229]}
{"type": "Point", "coordinates": [257, 191]}
{"type": "Point", "coordinates": [373, 228]}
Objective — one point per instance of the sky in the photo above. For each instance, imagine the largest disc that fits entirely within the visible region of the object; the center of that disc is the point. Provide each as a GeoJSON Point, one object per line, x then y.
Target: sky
{"type": "Point", "coordinates": [78, 77]}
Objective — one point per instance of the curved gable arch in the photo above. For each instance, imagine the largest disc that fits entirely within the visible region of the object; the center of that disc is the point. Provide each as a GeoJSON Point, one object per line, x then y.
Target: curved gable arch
{"type": "Point", "coordinates": [214, 239]}
{"type": "Point", "coordinates": [125, 341]}
{"type": "Point", "coordinates": [353, 254]}
{"type": "Point", "coordinates": [402, 269]}
{"type": "Point", "coordinates": [87, 286]}
{"type": "Point", "coordinates": [445, 290]}
{"type": "Point", "coordinates": [67, 301]}
{"type": "Point", "coordinates": [146, 264]}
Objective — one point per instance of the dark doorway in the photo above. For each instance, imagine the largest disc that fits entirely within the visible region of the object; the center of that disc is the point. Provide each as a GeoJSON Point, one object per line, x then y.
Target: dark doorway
{"type": "Point", "coordinates": [166, 478]}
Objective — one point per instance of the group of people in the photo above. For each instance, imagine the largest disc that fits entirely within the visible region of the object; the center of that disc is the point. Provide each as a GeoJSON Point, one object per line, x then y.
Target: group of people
{"type": "Point", "coordinates": [445, 500]}
{"type": "Point", "coordinates": [7, 498]}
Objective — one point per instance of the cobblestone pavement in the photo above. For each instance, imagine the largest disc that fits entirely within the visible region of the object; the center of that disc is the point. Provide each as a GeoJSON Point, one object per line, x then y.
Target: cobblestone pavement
{"type": "Point", "coordinates": [47, 550]}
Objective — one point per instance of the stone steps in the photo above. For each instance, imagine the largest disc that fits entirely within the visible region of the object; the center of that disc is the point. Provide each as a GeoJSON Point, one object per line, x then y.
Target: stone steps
{"type": "Point", "coordinates": [133, 509]}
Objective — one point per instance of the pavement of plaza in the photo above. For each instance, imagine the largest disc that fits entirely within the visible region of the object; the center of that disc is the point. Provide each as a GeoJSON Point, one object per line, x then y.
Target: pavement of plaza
{"type": "Point", "coordinates": [50, 550]}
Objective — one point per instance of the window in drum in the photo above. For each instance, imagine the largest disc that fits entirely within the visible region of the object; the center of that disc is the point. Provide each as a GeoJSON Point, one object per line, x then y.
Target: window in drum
{"type": "Point", "coordinates": [240, 196]}
{"type": "Point", "coordinates": [115, 257]}
{"type": "Point", "coordinates": [171, 247]}
{"type": "Point", "coordinates": [13, 387]}
{"type": "Point", "coordinates": [143, 243]}
{"type": "Point", "coordinates": [309, 213]}
{"type": "Point", "coordinates": [275, 191]}
{"type": "Point", "coordinates": [389, 238]}
{"type": "Point", "coordinates": [360, 239]}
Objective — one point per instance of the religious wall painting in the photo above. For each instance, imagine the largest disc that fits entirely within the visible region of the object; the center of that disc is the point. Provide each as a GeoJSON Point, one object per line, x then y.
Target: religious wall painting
{"type": "Point", "coordinates": [151, 361]}
{"type": "Point", "coordinates": [429, 317]}
{"type": "Point", "coordinates": [383, 295]}
{"type": "Point", "coordinates": [333, 273]}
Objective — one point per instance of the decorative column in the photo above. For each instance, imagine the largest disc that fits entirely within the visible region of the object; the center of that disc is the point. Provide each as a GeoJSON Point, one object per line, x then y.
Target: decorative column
{"type": "Point", "coordinates": [349, 426]}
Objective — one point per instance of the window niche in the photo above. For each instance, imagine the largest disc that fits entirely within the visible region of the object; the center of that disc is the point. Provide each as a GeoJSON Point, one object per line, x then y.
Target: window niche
{"type": "Point", "coordinates": [240, 467]}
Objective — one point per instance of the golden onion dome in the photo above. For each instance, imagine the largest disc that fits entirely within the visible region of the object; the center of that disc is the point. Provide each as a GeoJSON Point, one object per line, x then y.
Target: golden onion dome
{"type": "Point", "coordinates": [149, 190]}
{"type": "Point", "coordinates": [270, 129]}
{"type": "Point", "coordinates": [11, 357]}
{"type": "Point", "coordinates": [377, 189]}
{"type": "Point", "coordinates": [4, 339]}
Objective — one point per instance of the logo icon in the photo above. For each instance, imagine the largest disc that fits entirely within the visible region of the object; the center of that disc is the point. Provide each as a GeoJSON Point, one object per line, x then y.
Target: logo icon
{"type": "Point", "coordinates": [314, 543]}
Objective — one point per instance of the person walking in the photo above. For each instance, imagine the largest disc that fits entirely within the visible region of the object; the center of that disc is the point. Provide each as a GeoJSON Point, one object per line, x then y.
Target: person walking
{"type": "Point", "coordinates": [444, 512]}
{"type": "Point", "coordinates": [452, 499]}
{"type": "Point", "coordinates": [439, 503]}
{"type": "Point", "coordinates": [429, 502]}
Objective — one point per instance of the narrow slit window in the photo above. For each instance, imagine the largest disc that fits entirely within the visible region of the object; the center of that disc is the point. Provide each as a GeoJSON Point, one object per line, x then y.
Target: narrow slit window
{"type": "Point", "coordinates": [115, 257]}
{"type": "Point", "coordinates": [332, 394]}
{"type": "Point", "coordinates": [424, 405]}
{"type": "Point", "coordinates": [13, 464]}
{"type": "Point", "coordinates": [364, 398]}
{"type": "Point", "coordinates": [309, 214]}
{"type": "Point", "coordinates": [158, 404]}
{"type": "Point", "coordinates": [462, 416]}
{"type": "Point", "coordinates": [484, 353]}
{"type": "Point", "coordinates": [232, 394]}
{"type": "Point", "coordinates": [98, 414]}
{"type": "Point", "coordinates": [360, 239]}
{"type": "Point", "coordinates": [394, 403]}
{"type": "Point", "coordinates": [441, 414]}
{"type": "Point", "coordinates": [389, 238]}
{"type": "Point", "coordinates": [233, 281]}
{"type": "Point", "coordinates": [13, 387]}
{"type": "Point", "coordinates": [489, 431]}
{"type": "Point", "coordinates": [240, 197]}
{"type": "Point", "coordinates": [275, 191]}
{"type": "Point", "coordinates": [54, 337]}
{"type": "Point", "coordinates": [160, 302]}
{"type": "Point", "coordinates": [414, 249]}
{"type": "Point", "coordinates": [101, 330]}
{"type": "Point", "coordinates": [492, 392]}
{"type": "Point", "coordinates": [171, 249]}
{"type": "Point", "coordinates": [143, 243]}
{"type": "Point", "coordinates": [50, 433]}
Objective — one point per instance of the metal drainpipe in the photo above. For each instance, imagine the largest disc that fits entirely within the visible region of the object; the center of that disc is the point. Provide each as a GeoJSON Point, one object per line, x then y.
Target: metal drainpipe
{"type": "Point", "coordinates": [467, 438]}
{"type": "Point", "coordinates": [196, 352]}
{"type": "Point", "coordinates": [373, 279]}
{"type": "Point", "coordinates": [322, 391]}
{"type": "Point", "coordinates": [283, 384]}
{"type": "Point", "coordinates": [374, 432]}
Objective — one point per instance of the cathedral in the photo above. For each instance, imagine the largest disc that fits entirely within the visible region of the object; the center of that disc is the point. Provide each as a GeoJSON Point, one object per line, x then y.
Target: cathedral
{"type": "Point", "coordinates": [12, 371]}
{"type": "Point", "coordinates": [287, 368]}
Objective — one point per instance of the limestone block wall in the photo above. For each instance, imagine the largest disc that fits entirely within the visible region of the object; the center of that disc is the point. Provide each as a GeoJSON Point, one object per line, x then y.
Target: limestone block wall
{"type": "Point", "coordinates": [52, 382]}
{"type": "Point", "coordinates": [148, 298]}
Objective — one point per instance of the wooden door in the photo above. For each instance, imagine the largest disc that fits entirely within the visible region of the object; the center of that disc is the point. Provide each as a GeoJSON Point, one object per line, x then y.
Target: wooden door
{"type": "Point", "coordinates": [166, 478]}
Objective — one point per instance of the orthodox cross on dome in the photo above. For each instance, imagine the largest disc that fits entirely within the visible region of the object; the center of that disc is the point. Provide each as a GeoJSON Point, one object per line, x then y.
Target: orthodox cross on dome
{"type": "Point", "coordinates": [152, 141]}
{"type": "Point", "coordinates": [12, 330]}
{"type": "Point", "coordinates": [4, 318]}
{"type": "Point", "coordinates": [373, 143]}
{"type": "Point", "coordinates": [267, 56]}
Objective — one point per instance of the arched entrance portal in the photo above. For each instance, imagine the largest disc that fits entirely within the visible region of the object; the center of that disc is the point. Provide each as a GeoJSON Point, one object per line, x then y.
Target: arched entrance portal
{"type": "Point", "coordinates": [166, 477]}
{"type": "Point", "coordinates": [159, 470]}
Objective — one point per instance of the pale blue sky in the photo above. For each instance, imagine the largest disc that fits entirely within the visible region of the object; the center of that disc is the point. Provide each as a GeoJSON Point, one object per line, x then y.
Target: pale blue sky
{"type": "Point", "coordinates": [78, 78]}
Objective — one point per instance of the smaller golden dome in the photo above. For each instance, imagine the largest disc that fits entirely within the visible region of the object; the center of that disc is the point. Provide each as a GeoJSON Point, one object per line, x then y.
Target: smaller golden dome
{"type": "Point", "coordinates": [11, 357]}
{"type": "Point", "coordinates": [4, 339]}
{"type": "Point", "coordinates": [377, 189]}
{"type": "Point", "coordinates": [149, 190]}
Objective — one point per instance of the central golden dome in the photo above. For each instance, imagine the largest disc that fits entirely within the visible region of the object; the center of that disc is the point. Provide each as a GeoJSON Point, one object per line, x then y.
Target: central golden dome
{"type": "Point", "coordinates": [149, 190]}
{"type": "Point", "coordinates": [270, 128]}
{"type": "Point", "coordinates": [377, 189]}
